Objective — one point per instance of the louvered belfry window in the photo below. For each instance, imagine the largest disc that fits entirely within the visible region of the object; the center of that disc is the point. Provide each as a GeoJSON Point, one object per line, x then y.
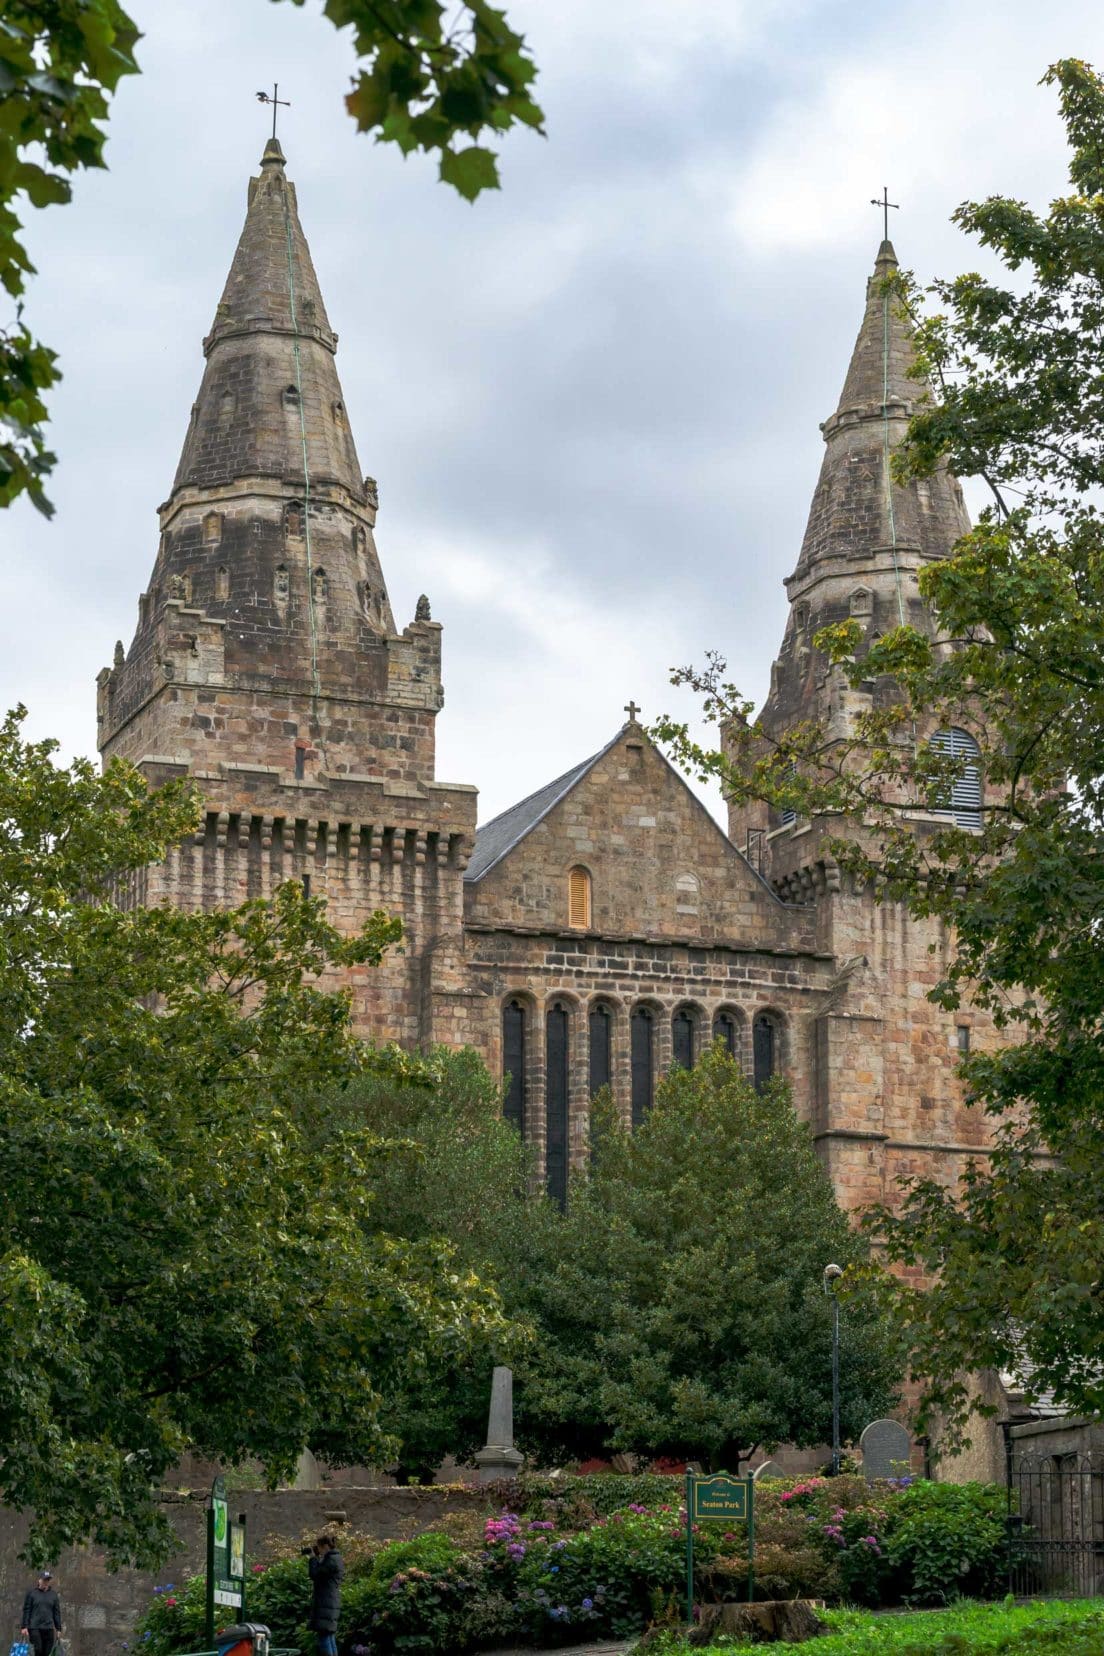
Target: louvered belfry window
{"type": "Point", "coordinates": [578, 899]}
{"type": "Point", "coordinates": [965, 801]}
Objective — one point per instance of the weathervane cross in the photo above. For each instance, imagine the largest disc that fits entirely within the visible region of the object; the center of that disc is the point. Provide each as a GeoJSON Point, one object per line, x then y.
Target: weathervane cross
{"type": "Point", "coordinates": [885, 204]}
{"type": "Point", "coordinates": [632, 710]}
{"type": "Point", "coordinates": [276, 102]}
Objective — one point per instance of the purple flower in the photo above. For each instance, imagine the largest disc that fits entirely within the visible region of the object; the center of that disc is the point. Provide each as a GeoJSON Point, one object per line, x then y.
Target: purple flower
{"type": "Point", "coordinates": [588, 1604]}
{"type": "Point", "coordinates": [516, 1550]}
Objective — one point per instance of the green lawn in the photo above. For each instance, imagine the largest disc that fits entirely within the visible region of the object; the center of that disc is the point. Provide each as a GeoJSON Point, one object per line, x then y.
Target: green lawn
{"type": "Point", "coordinates": [1059, 1629]}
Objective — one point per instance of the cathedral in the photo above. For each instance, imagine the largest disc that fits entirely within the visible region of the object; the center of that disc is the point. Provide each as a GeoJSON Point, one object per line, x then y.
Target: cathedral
{"type": "Point", "coordinates": [605, 927]}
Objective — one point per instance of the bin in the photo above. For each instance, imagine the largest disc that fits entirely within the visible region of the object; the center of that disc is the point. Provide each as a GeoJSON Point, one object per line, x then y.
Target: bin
{"type": "Point", "coordinates": [244, 1639]}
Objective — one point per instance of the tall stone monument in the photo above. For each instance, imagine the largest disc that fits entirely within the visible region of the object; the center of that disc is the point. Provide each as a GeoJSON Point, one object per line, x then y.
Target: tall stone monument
{"type": "Point", "coordinates": [498, 1458]}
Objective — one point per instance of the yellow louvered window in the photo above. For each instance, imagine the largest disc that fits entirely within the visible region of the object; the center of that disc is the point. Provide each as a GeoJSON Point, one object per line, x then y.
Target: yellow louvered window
{"type": "Point", "coordinates": [578, 899]}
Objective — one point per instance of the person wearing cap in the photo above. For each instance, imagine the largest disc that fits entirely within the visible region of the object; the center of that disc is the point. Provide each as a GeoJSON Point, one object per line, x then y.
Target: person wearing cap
{"type": "Point", "coordinates": [42, 1615]}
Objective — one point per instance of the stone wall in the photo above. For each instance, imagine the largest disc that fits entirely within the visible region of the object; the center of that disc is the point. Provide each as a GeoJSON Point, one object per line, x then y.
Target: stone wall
{"type": "Point", "coordinates": [99, 1608]}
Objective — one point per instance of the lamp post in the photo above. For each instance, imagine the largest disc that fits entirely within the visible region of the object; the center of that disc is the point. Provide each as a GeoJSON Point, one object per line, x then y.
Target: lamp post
{"type": "Point", "coordinates": [832, 1274]}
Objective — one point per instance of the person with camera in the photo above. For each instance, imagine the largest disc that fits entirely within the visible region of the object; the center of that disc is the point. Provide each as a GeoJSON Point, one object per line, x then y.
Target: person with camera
{"type": "Point", "coordinates": [41, 1615]}
{"type": "Point", "coordinates": [327, 1571]}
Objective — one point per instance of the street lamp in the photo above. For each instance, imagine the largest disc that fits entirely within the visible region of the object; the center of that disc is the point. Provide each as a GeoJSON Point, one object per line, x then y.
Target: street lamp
{"type": "Point", "coordinates": [832, 1274]}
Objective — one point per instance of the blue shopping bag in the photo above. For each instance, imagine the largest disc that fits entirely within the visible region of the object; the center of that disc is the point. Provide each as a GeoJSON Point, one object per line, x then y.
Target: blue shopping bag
{"type": "Point", "coordinates": [19, 1648]}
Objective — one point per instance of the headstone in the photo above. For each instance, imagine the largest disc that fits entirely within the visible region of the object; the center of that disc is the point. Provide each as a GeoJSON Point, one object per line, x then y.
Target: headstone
{"type": "Point", "coordinates": [769, 1469]}
{"type": "Point", "coordinates": [499, 1458]}
{"type": "Point", "coordinates": [886, 1450]}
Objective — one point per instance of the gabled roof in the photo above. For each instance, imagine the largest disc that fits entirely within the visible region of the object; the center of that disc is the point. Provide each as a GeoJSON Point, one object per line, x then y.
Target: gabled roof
{"type": "Point", "coordinates": [502, 833]}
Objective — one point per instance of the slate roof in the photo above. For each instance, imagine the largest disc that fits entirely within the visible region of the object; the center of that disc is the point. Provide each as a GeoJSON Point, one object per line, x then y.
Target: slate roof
{"type": "Point", "coordinates": [502, 833]}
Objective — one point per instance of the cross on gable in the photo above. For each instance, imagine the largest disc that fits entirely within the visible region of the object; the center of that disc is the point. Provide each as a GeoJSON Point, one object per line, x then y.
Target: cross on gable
{"type": "Point", "coordinates": [632, 710]}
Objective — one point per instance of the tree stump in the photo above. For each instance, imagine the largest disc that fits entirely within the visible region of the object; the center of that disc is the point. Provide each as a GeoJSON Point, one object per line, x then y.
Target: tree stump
{"type": "Point", "coordinates": [775, 1621]}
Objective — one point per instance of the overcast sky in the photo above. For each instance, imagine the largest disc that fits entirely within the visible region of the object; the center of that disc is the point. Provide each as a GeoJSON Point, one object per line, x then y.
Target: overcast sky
{"type": "Point", "coordinates": [592, 400]}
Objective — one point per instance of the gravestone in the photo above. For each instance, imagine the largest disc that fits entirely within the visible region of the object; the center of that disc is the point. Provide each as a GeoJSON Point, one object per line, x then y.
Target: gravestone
{"type": "Point", "coordinates": [769, 1469]}
{"type": "Point", "coordinates": [886, 1450]}
{"type": "Point", "coordinates": [499, 1458]}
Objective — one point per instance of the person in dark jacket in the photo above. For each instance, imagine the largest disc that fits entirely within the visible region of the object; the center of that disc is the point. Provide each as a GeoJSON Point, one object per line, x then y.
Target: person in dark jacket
{"type": "Point", "coordinates": [327, 1571]}
{"type": "Point", "coordinates": [42, 1615]}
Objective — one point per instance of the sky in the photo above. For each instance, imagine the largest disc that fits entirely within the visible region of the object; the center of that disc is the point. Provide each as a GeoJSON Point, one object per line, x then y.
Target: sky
{"type": "Point", "coordinates": [592, 399]}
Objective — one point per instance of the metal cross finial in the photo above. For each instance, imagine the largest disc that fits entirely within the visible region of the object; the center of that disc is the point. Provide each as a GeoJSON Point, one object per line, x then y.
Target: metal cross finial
{"type": "Point", "coordinates": [885, 204]}
{"type": "Point", "coordinates": [275, 101]}
{"type": "Point", "coordinates": [632, 710]}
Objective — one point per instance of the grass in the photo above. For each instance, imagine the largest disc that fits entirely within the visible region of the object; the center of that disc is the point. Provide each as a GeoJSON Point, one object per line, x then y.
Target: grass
{"type": "Point", "coordinates": [1074, 1628]}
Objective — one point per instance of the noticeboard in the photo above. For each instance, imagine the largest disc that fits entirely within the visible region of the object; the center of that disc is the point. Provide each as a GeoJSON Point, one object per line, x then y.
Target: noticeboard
{"type": "Point", "coordinates": [719, 1497]}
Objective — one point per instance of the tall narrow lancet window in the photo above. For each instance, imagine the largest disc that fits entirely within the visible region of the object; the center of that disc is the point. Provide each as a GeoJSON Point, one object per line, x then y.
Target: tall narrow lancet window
{"type": "Point", "coordinates": [724, 1030]}
{"type": "Point", "coordinates": [601, 1048]}
{"type": "Point", "coordinates": [222, 582]}
{"type": "Point", "coordinates": [764, 1050]}
{"type": "Point", "coordinates": [293, 518]}
{"type": "Point", "coordinates": [578, 899]}
{"type": "Point", "coordinates": [513, 1063]}
{"type": "Point", "coordinates": [212, 528]}
{"type": "Point", "coordinates": [965, 801]}
{"type": "Point", "coordinates": [556, 1093]}
{"type": "Point", "coordinates": [641, 1049]}
{"type": "Point", "coordinates": [682, 1037]}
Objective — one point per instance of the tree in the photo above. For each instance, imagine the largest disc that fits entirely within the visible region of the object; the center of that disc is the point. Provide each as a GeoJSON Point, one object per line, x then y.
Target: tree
{"type": "Point", "coordinates": [1017, 1254]}
{"type": "Point", "coordinates": [189, 1257]}
{"type": "Point", "coordinates": [456, 1170]}
{"type": "Point", "coordinates": [679, 1303]}
{"type": "Point", "coordinates": [433, 76]}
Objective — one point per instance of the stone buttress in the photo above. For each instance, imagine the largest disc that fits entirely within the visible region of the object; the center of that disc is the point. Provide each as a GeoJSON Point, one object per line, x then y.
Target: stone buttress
{"type": "Point", "coordinates": [266, 663]}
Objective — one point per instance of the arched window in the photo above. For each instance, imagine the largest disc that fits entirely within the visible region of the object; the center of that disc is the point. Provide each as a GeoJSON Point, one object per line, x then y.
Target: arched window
{"type": "Point", "coordinates": [965, 801]}
{"type": "Point", "coordinates": [862, 601]}
{"type": "Point", "coordinates": [578, 899]}
{"type": "Point", "coordinates": [556, 1092]}
{"type": "Point", "coordinates": [724, 1029]}
{"type": "Point", "coordinates": [222, 582]}
{"type": "Point", "coordinates": [293, 518]}
{"type": "Point", "coordinates": [764, 1049]}
{"type": "Point", "coordinates": [291, 396]}
{"type": "Point", "coordinates": [226, 411]}
{"type": "Point", "coordinates": [282, 582]}
{"type": "Point", "coordinates": [600, 1030]}
{"type": "Point", "coordinates": [513, 1063]}
{"type": "Point", "coordinates": [641, 1044]}
{"type": "Point", "coordinates": [212, 528]}
{"type": "Point", "coordinates": [683, 1037]}
{"type": "Point", "coordinates": [319, 586]}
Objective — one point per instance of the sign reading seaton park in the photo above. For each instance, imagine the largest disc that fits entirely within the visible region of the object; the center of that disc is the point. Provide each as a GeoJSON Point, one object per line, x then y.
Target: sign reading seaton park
{"type": "Point", "coordinates": [718, 1499]}
{"type": "Point", "coordinates": [225, 1561]}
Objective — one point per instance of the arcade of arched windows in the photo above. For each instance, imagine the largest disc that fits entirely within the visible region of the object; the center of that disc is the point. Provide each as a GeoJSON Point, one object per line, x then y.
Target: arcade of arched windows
{"type": "Point", "coordinates": [558, 1053]}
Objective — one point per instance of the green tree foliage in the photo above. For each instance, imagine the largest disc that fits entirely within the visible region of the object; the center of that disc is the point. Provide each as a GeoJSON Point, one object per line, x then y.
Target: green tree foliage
{"type": "Point", "coordinates": [680, 1302]}
{"type": "Point", "coordinates": [456, 1170]}
{"type": "Point", "coordinates": [188, 1253]}
{"type": "Point", "coordinates": [434, 77]}
{"type": "Point", "coordinates": [1018, 1252]}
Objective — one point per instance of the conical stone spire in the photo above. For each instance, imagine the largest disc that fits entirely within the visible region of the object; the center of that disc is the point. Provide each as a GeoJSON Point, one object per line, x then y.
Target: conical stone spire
{"type": "Point", "coordinates": [270, 404]}
{"type": "Point", "coordinates": [858, 512]}
{"type": "Point", "coordinates": [267, 580]}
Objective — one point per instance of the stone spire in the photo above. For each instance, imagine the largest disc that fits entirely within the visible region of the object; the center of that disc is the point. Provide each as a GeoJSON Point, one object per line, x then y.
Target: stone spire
{"type": "Point", "coordinates": [867, 538]}
{"type": "Point", "coordinates": [857, 512]}
{"type": "Point", "coordinates": [270, 388]}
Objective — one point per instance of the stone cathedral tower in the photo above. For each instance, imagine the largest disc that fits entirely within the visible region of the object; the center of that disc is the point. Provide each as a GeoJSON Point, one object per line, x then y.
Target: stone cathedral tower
{"type": "Point", "coordinates": [885, 1101]}
{"type": "Point", "coordinates": [266, 662]}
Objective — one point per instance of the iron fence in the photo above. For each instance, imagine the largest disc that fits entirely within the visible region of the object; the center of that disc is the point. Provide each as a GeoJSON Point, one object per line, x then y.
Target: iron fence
{"type": "Point", "coordinates": [1055, 1525]}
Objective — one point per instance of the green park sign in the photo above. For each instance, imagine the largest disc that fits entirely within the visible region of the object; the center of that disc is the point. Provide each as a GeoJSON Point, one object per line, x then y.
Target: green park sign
{"type": "Point", "coordinates": [718, 1498]}
{"type": "Point", "coordinates": [225, 1562]}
